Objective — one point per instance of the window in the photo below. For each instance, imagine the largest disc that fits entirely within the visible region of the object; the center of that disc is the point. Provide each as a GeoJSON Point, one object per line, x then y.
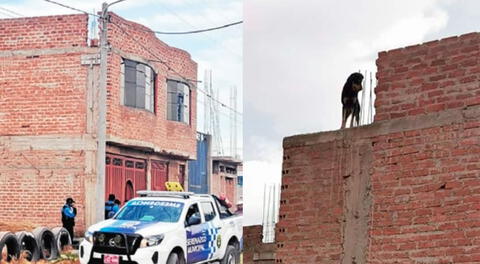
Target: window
{"type": "Point", "coordinates": [178, 101]}
{"type": "Point", "coordinates": [208, 211]}
{"type": "Point", "coordinates": [138, 85]}
{"type": "Point", "coordinates": [193, 215]}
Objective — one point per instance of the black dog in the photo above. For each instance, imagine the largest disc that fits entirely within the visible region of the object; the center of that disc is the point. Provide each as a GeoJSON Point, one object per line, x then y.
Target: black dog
{"type": "Point", "coordinates": [350, 100]}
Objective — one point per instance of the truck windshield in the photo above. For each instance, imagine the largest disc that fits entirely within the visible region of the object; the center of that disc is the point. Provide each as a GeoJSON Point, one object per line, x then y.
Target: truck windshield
{"type": "Point", "coordinates": [151, 211]}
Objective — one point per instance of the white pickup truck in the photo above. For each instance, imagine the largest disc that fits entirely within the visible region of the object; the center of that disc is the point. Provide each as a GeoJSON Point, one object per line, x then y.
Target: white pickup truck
{"type": "Point", "coordinates": [166, 228]}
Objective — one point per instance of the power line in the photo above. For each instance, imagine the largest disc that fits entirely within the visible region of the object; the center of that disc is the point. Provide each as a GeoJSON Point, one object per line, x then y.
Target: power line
{"type": "Point", "coordinates": [71, 8]}
{"type": "Point", "coordinates": [7, 14]}
{"type": "Point", "coordinates": [192, 31]}
{"type": "Point", "coordinates": [11, 11]}
{"type": "Point", "coordinates": [153, 54]}
{"type": "Point", "coordinates": [173, 70]}
{"type": "Point", "coordinates": [187, 22]}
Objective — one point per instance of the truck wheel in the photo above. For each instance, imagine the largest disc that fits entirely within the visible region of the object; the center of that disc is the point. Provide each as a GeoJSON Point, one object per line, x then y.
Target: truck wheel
{"type": "Point", "coordinates": [230, 256]}
{"type": "Point", "coordinates": [174, 258]}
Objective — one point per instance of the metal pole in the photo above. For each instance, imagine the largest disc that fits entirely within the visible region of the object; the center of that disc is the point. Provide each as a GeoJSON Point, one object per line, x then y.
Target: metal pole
{"type": "Point", "coordinates": [102, 118]}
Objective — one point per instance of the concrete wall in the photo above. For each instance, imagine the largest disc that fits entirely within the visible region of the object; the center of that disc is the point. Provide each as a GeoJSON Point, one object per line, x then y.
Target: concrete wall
{"type": "Point", "coordinates": [404, 189]}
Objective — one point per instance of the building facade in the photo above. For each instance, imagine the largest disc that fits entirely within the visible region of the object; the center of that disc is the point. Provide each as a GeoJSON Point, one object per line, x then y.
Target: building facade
{"type": "Point", "coordinates": [49, 75]}
{"type": "Point", "coordinates": [224, 179]}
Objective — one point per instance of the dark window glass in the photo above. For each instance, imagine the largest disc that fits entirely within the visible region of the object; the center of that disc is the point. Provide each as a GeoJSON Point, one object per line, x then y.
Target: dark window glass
{"type": "Point", "coordinates": [139, 85]}
{"type": "Point", "coordinates": [178, 101]}
{"type": "Point", "coordinates": [107, 160]}
{"type": "Point", "coordinates": [117, 162]}
{"type": "Point", "coordinates": [129, 164]}
{"type": "Point", "coordinates": [139, 165]}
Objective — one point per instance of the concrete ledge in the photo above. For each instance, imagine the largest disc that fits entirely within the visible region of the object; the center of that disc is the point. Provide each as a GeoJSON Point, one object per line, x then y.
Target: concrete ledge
{"type": "Point", "coordinates": [453, 116]}
{"type": "Point", "coordinates": [49, 142]}
{"type": "Point", "coordinates": [40, 52]}
{"type": "Point", "coordinates": [145, 146]}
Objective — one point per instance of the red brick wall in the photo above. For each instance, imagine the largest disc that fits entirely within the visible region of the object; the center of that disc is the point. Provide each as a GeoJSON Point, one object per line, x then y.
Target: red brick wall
{"type": "Point", "coordinates": [43, 99]}
{"type": "Point", "coordinates": [404, 189]}
{"type": "Point", "coordinates": [43, 32]}
{"type": "Point", "coordinates": [426, 195]}
{"type": "Point", "coordinates": [35, 184]}
{"type": "Point", "coordinates": [431, 77]}
{"type": "Point", "coordinates": [135, 124]}
{"type": "Point", "coordinates": [311, 205]}
{"type": "Point", "coordinates": [42, 95]}
{"type": "Point", "coordinates": [254, 251]}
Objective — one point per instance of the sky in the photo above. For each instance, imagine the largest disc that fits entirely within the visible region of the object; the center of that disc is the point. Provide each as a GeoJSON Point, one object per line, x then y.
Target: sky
{"type": "Point", "coordinates": [298, 54]}
{"type": "Point", "coordinates": [219, 51]}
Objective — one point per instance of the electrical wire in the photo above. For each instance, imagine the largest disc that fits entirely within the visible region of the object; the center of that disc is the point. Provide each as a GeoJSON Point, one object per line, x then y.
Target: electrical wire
{"type": "Point", "coordinates": [11, 11]}
{"type": "Point", "coordinates": [8, 15]}
{"type": "Point", "coordinates": [153, 54]}
{"type": "Point", "coordinates": [71, 8]}
{"type": "Point", "coordinates": [173, 70]}
{"type": "Point", "coordinates": [195, 31]}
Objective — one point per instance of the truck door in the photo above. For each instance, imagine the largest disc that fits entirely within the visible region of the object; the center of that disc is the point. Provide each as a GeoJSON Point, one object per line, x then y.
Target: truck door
{"type": "Point", "coordinates": [197, 242]}
{"type": "Point", "coordinates": [213, 225]}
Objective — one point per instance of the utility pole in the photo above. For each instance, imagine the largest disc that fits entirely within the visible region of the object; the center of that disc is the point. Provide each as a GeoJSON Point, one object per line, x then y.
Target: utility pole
{"type": "Point", "coordinates": [102, 118]}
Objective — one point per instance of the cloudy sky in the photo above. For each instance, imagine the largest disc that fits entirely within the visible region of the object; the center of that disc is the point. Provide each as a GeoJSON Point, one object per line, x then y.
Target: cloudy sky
{"type": "Point", "coordinates": [219, 51]}
{"type": "Point", "coordinates": [297, 55]}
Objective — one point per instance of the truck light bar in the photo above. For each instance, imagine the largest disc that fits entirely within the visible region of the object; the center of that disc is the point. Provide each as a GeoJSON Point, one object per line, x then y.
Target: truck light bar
{"type": "Point", "coordinates": [184, 195]}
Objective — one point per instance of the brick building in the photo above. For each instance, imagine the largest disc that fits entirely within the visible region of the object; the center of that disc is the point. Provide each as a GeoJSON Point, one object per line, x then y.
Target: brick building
{"type": "Point", "coordinates": [224, 180]}
{"type": "Point", "coordinates": [48, 88]}
{"type": "Point", "coordinates": [404, 189]}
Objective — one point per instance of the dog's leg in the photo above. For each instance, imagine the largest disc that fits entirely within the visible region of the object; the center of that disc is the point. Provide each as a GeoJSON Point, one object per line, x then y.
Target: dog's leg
{"type": "Point", "coordinates": [344, 118]}
{"type": "Point", "coordinates": [351, 119]}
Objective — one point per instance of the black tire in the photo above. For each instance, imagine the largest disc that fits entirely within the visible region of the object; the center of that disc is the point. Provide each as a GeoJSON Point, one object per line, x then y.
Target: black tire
{"type": "Point", "coordinates": [9, 248]}
{"type": "Point", "coordinates": [175, 258]}
{"type": "Point", "coordinates": [28, 246]}
{"type": "Point", "coordinates": [46, 243]}
{"type": "Point", "coordinates": [231, 256]}
{"type": "Point", "coordinates": [62, 238]}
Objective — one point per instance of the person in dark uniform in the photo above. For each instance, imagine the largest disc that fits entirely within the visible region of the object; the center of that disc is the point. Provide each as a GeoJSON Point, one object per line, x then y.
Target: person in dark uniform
{"type": "Point", "coordinates": [109, 206]}
{"type": "Point", "coordinates": [68, 216]}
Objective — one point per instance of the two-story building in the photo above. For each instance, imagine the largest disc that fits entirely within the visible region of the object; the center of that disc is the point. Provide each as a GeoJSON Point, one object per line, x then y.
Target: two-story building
{"type": "Point", "coordinates": [49, 83]}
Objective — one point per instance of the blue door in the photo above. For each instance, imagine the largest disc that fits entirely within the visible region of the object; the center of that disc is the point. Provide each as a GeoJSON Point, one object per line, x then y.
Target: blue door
{"type": "Point", "coordinates": [198, 169]}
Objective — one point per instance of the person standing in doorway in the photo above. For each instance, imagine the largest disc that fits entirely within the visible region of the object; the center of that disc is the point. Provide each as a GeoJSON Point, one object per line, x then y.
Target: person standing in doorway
{"type": "Point", "coordinates": [68, 216]}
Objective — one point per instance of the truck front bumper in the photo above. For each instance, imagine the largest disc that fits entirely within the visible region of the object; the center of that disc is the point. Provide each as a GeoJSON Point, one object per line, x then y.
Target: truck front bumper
{"type": "Point", "coordinates": [149, 255]}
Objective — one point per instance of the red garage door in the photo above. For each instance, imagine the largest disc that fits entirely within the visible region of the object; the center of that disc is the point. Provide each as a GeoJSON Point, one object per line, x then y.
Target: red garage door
{"type": "Point", "coordinates": [159, 175]}
{"type": "Point", "coordinates": [124, 176]}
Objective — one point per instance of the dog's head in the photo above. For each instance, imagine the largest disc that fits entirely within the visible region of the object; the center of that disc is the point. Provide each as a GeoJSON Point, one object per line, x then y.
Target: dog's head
{"type": "Point", "coordinates": [356, 79]}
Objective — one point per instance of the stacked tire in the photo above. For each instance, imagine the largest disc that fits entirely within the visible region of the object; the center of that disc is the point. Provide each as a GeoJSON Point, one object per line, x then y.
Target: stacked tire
{"type": "Point", "coordinates": [9, 247]}
{"type": "Point", "coordinates": [41, 243]}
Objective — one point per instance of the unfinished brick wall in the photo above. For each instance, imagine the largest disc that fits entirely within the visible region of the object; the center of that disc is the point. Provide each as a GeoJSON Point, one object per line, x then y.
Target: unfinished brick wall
{"type": "Point", "coordinates": [43, 118]}
{"type": "Point", "coordinates": [431, 77]}
{"type": "Point", "coordinates": [48, 85]}
{"type": "Point", "coordinates": [404, 189]}
{"type": "Point", "coordinates": [43, 32]}
{"type": "Point", "coordinates": [154, 128]}
{"type": "Point", "coordinates": [254, 251]}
